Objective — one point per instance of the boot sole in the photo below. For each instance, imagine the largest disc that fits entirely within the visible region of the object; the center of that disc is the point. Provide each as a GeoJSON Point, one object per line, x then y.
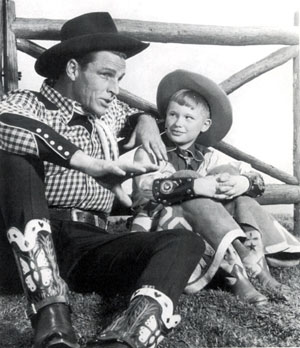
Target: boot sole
{"type": "Point", "coordinates": [60, 343]}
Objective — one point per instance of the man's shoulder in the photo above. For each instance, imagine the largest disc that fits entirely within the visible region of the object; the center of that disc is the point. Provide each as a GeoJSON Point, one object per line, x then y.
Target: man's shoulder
{"type": "Point", "coordinates": [21, 101]}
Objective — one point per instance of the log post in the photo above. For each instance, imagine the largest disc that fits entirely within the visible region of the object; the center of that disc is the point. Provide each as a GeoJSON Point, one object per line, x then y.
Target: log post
{"type": "Point", "coordinates": [1, 47]}
{"type": "Point", "coordinates": [10, 48]}
{"type": "Point", "coordinates": [296, 113]}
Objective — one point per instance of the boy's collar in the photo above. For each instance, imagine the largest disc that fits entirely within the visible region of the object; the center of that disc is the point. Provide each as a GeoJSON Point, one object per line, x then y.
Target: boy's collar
{"type": "Point", "coordinates": [197, 151]}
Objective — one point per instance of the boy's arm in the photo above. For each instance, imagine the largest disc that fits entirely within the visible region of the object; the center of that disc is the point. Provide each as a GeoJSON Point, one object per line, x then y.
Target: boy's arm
{"type": "Point", "coordinates": [178, 189]}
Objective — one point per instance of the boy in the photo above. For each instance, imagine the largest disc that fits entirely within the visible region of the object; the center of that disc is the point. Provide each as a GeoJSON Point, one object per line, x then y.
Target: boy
{"type": "Point", "coordinates": [217, 201]}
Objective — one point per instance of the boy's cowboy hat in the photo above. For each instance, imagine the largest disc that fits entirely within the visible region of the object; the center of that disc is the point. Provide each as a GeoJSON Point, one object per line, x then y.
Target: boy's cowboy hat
{"type": "Point", "coordinates": [90, 32]}
{"type": "Point", "coordinates": [219, 104]}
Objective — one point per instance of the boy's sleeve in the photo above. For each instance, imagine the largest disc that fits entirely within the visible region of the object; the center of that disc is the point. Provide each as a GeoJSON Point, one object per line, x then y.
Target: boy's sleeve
{"type": "Point", "coordinates": [256, 184]}
{"type": "Point", "coordinates": [173, 190]}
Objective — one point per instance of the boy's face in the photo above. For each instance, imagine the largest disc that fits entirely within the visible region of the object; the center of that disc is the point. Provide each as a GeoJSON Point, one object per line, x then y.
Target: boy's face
{"type": "Point", "coordinates": [184, 124]}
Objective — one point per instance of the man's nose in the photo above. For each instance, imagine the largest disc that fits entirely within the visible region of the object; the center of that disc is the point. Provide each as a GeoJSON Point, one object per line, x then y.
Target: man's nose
{"type": "Point", "coordinates": [113, 86]}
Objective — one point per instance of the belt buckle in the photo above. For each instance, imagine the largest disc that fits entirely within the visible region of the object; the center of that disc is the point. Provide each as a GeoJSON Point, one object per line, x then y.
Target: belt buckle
{"type": "Point", "coordinates": [74, 214]}
{"type": "Point", "coordinates": [101, 223]}
{"type": "Point", "coordinates": [97, 220]}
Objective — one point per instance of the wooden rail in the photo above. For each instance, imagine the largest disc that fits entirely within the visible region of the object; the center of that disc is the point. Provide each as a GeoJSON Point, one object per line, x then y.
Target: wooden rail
{"type": "Point", "coordinates": [48, 29]}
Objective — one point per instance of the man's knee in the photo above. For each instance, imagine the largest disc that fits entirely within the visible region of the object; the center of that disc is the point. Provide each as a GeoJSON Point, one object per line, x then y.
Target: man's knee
{"type": "Point", "coordinates": [187, 241]}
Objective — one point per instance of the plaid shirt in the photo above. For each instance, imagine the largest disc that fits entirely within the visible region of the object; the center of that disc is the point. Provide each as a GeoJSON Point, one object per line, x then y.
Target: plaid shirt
{"type": "Point", "coordinates": [46, 126]}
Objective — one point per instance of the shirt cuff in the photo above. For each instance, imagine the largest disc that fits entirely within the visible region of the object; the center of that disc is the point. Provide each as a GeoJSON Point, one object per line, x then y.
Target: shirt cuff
{"type": "Point", "coordinates": [173, 190]}
{"type": "Point", "coordinates": [256, 184]}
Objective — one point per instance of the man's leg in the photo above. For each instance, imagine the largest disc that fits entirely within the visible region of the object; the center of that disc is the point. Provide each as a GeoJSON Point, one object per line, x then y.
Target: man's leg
{"type": "Point", "coordinates": [155, 266]}
{"type": "Point", "coordinates": [24, 213]}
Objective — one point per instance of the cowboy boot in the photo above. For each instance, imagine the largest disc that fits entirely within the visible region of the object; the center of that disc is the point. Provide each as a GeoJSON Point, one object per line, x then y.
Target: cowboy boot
{"type": "Point", "coordinates": [237, 281]}
{"type": "Point", "coordinates": [52, 327]}
{"type": "Point", "coordinates": [256, 264]}
{"type": "Point", "coordinates": [46, 291]}
{"type": "Point", "coordinates": [143, 324]}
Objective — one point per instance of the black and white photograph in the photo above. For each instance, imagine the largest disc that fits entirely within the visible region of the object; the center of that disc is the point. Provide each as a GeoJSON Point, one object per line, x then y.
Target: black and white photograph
{"type": "Point", "coordinates": [149, 174]}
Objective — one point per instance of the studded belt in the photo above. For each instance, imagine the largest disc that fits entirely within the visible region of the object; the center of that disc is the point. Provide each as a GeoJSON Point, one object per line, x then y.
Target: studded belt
{"type": "Point", "coordinates": [96, 219]}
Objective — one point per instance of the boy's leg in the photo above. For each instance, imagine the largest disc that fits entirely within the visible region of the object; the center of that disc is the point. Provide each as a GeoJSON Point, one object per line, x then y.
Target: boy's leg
{"type": "Point", "coordinates": [213, 222]}
{"type": "Point", "coordinates": [251, 217]}
{"type": "Point", "coordinates": [24, 214]}
{"type": "Point", "coordinates": [155, 267]}
{"type": "Point", "coordinates": [253, 258]}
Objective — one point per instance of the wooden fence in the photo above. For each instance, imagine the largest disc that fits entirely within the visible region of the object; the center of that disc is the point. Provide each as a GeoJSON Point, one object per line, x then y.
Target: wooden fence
{"type": "Point", "coordinates": [17, 33]}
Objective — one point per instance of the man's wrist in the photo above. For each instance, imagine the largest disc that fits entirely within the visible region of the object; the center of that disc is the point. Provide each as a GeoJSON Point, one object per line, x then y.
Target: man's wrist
{"type": "Point", "coordinates": [146, 116]}
{"type": "Point", "coordinates": [80, 161]}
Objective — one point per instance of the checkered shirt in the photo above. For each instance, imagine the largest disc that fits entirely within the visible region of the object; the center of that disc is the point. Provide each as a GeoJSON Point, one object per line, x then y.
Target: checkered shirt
{"type": "Point", "coordinates": [24, 119]}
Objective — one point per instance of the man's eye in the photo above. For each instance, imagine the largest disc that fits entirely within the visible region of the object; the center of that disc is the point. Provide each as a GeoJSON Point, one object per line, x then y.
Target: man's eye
{"type": "Point", "coordinates": [104, 75]}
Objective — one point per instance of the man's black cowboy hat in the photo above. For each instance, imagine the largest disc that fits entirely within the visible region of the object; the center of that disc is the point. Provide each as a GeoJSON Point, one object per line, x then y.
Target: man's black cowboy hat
{"type": "Point", "coordinates": [219, 104]}
{"type": "Point", "coordinates": [90, 32]}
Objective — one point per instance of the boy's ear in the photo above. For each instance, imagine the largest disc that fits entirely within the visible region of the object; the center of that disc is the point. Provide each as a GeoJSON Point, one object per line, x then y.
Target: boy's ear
{"type": "Point", "coordinates": [206, 125]}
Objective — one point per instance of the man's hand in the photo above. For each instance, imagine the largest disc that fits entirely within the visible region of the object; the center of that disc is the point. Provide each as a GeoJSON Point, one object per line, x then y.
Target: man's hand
{"type": "Point", "coordinates": [146, 133]}
{"type": "Point", "coordinates": [231, 186]}
{"type": "Point", "coordinates": [110, 174]}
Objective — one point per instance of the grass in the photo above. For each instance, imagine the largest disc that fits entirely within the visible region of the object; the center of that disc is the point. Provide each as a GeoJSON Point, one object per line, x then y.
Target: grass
{"type": "Point", "coordinates": [211, 318]}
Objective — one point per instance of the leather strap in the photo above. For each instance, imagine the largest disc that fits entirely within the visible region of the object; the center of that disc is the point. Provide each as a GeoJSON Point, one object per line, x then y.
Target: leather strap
{"type": "Point", "coordinates": [96, 219]}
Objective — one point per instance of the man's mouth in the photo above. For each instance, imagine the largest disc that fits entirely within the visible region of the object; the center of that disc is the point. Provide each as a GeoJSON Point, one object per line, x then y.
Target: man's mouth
{"type": "Point", "coordinates": [105, 102]}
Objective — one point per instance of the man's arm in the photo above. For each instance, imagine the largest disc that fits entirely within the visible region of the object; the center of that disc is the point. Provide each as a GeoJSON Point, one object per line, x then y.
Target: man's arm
{"type": "Point", "coordinates": [27, 136]}
{"type": "Point", "coordinates": [138, 128]}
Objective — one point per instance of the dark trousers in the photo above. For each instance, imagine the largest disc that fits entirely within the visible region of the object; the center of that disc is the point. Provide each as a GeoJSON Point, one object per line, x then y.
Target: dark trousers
{"type": "Point", "coordinates": [89, 258]}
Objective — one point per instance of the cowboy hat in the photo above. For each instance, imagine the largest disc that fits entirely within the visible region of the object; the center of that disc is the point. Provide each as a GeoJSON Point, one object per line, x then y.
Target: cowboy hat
{"type": "Point", "coordinates": [89, 32]}
{"type": "Point", "coordinates": [219, 104]}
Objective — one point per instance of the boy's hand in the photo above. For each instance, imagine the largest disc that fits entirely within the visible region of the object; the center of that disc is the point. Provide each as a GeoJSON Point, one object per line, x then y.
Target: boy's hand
{"type": "Point", "coordinates": [206, 186]}
{"type": "Point", "coordinates": [231, 186]}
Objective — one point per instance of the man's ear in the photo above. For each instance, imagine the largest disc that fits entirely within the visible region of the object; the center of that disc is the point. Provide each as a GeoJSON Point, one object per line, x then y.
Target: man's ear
{"type": "Point", "coordinates": [72, 68]}
{"type": "Point", "coordinates": [206, 125]}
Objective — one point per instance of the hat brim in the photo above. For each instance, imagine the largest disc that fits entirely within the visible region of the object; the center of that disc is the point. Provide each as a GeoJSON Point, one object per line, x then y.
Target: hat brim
{"type": "Point", "coordinates": [51, 61]}
{"type": "Point", "coordinates": [220, 107]}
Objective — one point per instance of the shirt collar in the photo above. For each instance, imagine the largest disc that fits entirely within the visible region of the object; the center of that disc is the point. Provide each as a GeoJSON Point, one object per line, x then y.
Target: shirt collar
{"type": "Point", "coordinates": [66, 105]}
{"type": "Point", "coordinates": [196, 151]}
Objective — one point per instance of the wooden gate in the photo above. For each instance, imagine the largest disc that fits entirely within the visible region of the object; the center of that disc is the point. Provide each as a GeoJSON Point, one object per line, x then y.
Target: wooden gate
{"type": "Point", "coordinates": [17, 33]}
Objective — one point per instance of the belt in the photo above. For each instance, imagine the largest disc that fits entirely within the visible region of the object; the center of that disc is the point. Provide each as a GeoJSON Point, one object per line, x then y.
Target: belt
{"type": "Point", "coordinates": [96, 219]}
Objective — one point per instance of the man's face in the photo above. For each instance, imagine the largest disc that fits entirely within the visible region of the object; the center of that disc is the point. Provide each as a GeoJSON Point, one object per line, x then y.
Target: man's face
{"type": "Point", "coordinates": [96, 84]}
{"type": "Point", "coordinates": [184, 124]}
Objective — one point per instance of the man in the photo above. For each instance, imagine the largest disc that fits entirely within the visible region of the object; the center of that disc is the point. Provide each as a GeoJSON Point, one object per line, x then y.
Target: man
{"type": "Point", "coordinates": [59, 158]}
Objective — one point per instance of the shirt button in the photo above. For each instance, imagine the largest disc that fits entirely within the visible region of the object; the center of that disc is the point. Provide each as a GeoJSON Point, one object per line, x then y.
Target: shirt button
{"type": "Point", "coordinates": [38, 130]}
{"type": "Point", "coordinates": [46, 136]}
{"type": "Point", "coordinates": [67, 153]}
{"type": "Point", "coordinates": [52, 142]}
{"type": "Point", "coordinates": [59, 148]}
